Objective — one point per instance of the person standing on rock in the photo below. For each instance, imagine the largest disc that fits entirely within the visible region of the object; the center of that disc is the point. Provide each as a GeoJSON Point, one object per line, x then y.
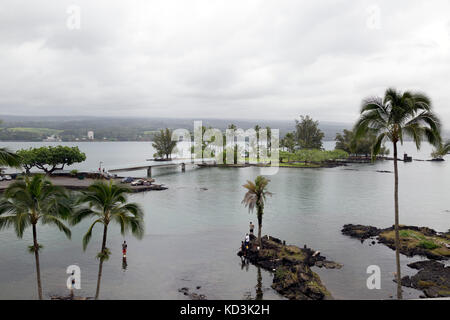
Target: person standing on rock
{"type": "Point", "coordinates": [252, 227]}
{"type": "Point", "coordinates": [243, 249]}
{"type": "Point", "coordinates": [247, 241]}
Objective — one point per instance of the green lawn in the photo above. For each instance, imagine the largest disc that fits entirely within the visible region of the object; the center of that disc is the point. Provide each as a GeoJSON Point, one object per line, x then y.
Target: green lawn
{"type": "Point", "coordinates": [40, 131]}
{"type": "Point", "coordinates": [313, 155]}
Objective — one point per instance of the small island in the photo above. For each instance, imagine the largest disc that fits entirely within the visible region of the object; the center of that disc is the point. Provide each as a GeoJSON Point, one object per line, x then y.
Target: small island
{"type": "Point", "coordinates": [293, 277]}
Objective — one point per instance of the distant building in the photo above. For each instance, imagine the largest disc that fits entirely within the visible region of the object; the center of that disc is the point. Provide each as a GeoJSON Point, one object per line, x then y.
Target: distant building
{"type": "Point", "coordinates": [52, 138]}
{"type": "Point", "coordinates": [90, 135]}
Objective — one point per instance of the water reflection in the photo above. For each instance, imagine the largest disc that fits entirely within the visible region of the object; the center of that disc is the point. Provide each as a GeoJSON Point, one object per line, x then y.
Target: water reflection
{"type": "Point", "coordinates": [124, 264]}
{"type": "Point", "coordinates": [245, 263]}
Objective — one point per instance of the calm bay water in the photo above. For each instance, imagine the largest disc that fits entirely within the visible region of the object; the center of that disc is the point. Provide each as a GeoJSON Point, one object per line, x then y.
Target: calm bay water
{"type": "Point", "coordinates": [194, 228]}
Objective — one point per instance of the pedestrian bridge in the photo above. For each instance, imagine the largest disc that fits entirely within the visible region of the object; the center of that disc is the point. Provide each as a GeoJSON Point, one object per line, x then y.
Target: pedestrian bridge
{"type": "Point", "coordinates": [149, 164]}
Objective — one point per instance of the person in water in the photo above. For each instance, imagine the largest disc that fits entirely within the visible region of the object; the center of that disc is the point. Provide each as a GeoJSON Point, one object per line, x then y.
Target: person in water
{"type": "Point", "coordinates": [252, 227]}
{"type": "Point", "coordinates": [124, 249]}
{"type": "Point", "coordinates": [243, 249]}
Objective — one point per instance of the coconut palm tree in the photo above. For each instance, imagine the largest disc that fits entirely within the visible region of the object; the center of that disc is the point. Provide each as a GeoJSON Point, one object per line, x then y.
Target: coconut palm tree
{"type": "Point", "coordinates": [392, 118]}
{"type": "Point", "coordinates": [256, 197]}
{"type": "Point", "coordinates": [107, 202]}
{"type": "Point", "coordinates": [27, 202]}
{"type": "Point", "coordinates": [442, 150]}
{"type": "Point", "coordinates": [257, 128]}
{"type": "Point", "coordinates": [8, 158]}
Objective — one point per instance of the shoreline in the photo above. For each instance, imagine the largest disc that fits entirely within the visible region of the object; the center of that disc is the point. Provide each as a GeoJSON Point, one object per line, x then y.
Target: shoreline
{"type": "Point", "coordinates": [433, 277]}
{"type": "Point", "coordinates": [73, 183]}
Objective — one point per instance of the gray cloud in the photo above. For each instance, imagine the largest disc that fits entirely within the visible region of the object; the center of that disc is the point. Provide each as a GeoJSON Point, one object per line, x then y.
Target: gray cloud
{"type": "Point", "coordinates": [224, 59]}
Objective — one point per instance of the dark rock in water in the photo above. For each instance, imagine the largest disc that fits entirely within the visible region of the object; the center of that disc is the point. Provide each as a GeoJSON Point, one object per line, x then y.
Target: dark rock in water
{"type": "Point", "coordinates": [70, 298]}
{"type": "Point", "coordinates": [192, 295]}
{"type": "Point", "coordinates": [293, 277]}
{"type": "Point", "coordinates": [359, 231]}
{"type": "Point", "coordinates": [328, 264]}
{"type": "Point", "coordinates": [433, 278]}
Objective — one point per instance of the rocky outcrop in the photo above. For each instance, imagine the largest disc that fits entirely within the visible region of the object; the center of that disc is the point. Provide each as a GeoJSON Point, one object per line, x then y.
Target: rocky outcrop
{"type": "Point", "coordinates": [433, 278]}
{"type": "Point", "coordinates": [293, 277]}
{"type": "Point", "coordinates": [360, 232]}
{"type": "Point", "coordinates": [192, 295]}
{"type": "Point", "coordinates": [69, 297]}
{"type": "Point", "coordinates": [414, 240]}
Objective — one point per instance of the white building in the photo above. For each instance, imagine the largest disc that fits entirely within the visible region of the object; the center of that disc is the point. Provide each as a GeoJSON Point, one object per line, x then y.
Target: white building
{"type": "Point", "coordinates": [90, 135]}
{"type": "Point", "coordinates": [52, 138]}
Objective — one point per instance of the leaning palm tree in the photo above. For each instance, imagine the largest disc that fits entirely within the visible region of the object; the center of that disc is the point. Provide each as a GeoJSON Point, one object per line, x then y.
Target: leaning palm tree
{"type": "Point", "coordinates": [27, 202]}
{"type": "Point", "coordinates": [8, 158]}
{"type": "Point", "coordinates": [107, 202]}
{"type": "Point", "coordinates": [392, 118]}
{"type": "Point", "coordinates": [256, 197]}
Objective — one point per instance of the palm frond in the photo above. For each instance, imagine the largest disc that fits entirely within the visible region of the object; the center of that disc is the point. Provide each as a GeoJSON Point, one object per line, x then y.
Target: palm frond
{"type": "Point", "coordinates": [88, 235]}
{"type": "Point", "coordinates": [80, 215]}
{"type": "Point", "coordinates": [50, 219]}
{"type": "Point", "coordinates": [9, 158]}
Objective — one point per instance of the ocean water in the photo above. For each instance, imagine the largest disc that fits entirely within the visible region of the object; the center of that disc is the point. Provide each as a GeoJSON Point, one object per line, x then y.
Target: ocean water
{"type": "Point", "coordinates": [194, 229]}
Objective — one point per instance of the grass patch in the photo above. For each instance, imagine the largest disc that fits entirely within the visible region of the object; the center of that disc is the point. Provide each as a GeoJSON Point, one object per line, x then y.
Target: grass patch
{"type": "Point", "coordinates": [39, 131]}
{"type": "Point", "coordinates": [428, 244]}
{"type": "Point", "coordinates": [416, 239]}
{"type": "Point", "coordinates": [293, 253]}
{"type": "Point", "coordinates": [299, 165]}
{"type": "Point", "coordinates": [313, 155]}
{"type": "Point", "coordinates": [425, 284]}
{"type": "Point", "coordinates": [281, 273]}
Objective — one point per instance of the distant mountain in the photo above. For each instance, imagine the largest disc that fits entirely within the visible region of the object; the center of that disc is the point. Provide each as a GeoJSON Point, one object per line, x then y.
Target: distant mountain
{"type": "Point", "coordinates": [132, 129]}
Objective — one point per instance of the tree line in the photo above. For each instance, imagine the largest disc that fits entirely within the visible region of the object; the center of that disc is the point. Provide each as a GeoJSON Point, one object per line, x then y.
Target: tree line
{"type": "Point", "coordinates": [34, 200]}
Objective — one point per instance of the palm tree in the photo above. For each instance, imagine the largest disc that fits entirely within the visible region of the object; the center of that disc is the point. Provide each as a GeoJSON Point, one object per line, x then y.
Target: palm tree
{"type": "Point", "coordinates": [26, 202]}
{"type": "Point", "coordinates": [441, 150]}
{"type": "Point", "coordinates": [257, 128]}
{"type": "Point", "coordinates": [8, 158]}
{"type": "Point", "coordinates": [256, 197]}
{"type": "Point", "coordinates": [107, 202]}
{"type": "Point", "coordinates": [392, 118]}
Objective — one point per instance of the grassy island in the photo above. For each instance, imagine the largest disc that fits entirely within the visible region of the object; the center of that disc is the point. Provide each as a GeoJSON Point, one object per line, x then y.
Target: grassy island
{"type": "Point", "coordinates": [293, 277]}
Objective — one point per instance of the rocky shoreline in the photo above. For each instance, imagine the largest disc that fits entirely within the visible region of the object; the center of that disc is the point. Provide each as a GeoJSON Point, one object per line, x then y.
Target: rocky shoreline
{"type": "Point", "coordinates": [433, 277]}
{"type": "Point", "coordinates": [421, 241]}
{"type": "Point", "coordinates": [291, 265]}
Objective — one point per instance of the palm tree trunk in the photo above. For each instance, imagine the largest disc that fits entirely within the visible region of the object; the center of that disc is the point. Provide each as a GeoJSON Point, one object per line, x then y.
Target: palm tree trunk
{"type": "Point", "coordinates": [259, 227]}
{"type": "Point", "coordinates": [397, 236]}
{"type": "Point", "coordinates": [38, 266]}
{"type": "Point", "coordinates": [259, 291]}
{"type": "Point", "coordinates": [100, 266]}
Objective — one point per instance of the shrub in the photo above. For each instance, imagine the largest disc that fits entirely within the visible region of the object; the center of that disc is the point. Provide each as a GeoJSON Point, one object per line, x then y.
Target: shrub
{"type": "Point", "coordinates": [427, 244]}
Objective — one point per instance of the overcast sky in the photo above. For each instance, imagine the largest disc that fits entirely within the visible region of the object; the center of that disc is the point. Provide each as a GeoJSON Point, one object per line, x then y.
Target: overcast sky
{"type": "Point", "coordinates": [220, 59]}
